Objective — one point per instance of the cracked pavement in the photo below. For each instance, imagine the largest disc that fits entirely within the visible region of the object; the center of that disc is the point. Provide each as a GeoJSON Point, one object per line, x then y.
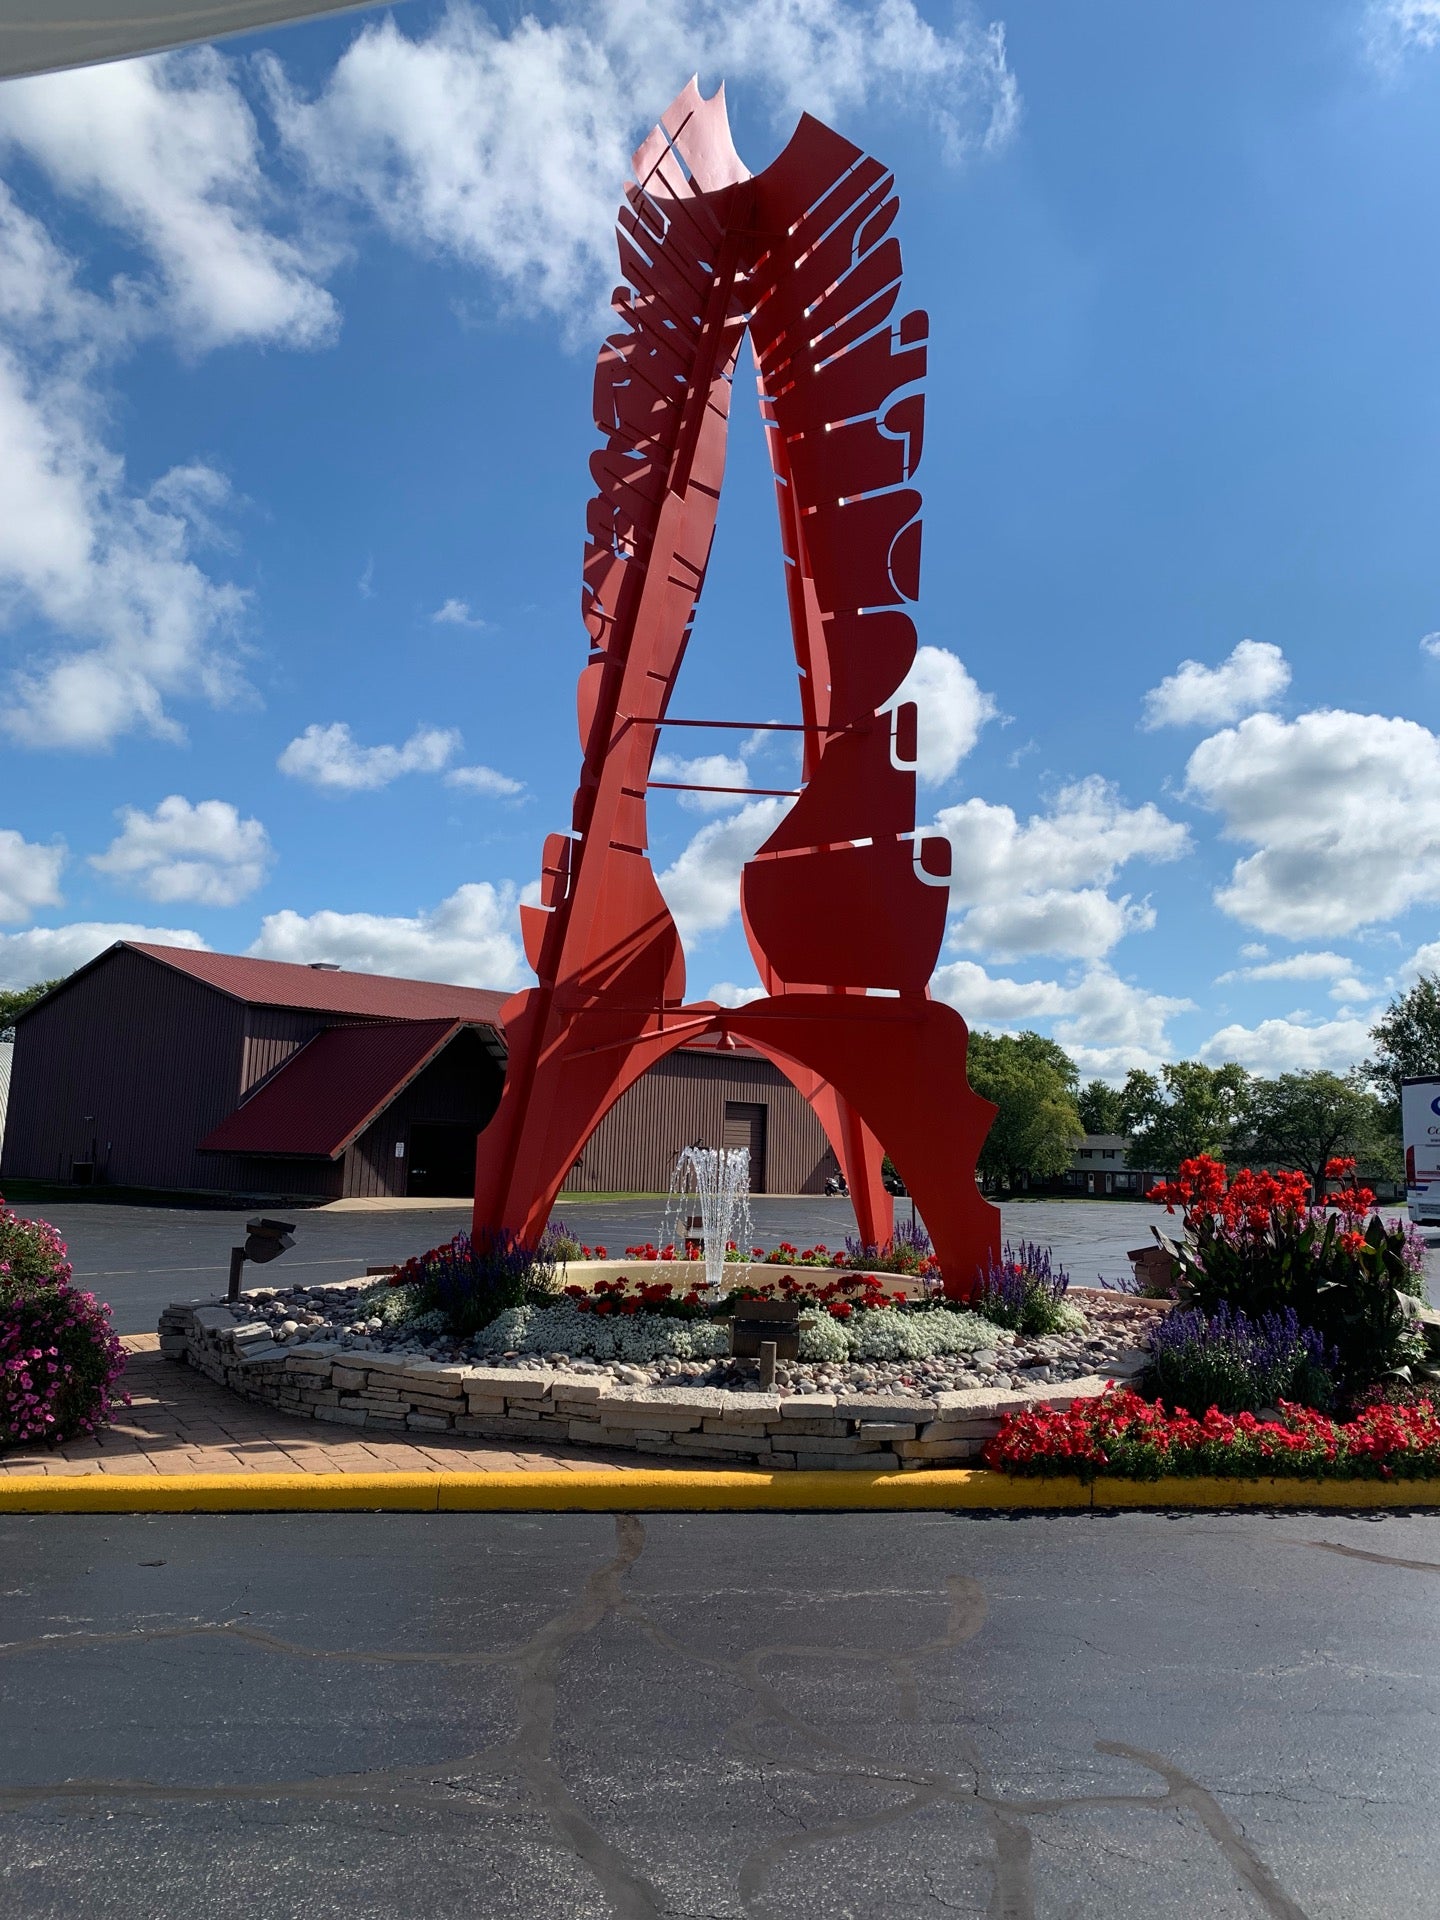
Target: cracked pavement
{"type": "Point", "coordinates": [711, 1717]}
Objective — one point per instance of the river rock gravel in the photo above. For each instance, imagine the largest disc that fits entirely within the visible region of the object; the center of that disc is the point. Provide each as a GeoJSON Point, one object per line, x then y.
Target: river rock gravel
{"type": "Point", "coordinates": [1113, 1326]}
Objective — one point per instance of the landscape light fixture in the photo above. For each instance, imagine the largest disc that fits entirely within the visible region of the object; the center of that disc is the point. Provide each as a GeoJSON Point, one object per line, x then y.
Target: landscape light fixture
{"type": "Point", "coordinates": [264, 1240]}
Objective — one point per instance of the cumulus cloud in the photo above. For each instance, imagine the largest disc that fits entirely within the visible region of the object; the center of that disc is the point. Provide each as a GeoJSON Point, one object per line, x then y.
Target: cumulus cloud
{"type": "Point", "coordinates": [1430, 643]}
{"type": "Point", "coordinates": [1292, 1045]}
{"type": "Point", "coordinates": [1083, 924]}
{"type": "Point", "coordinates": [1040, 886]}
{"type": "Point", "coordinates": [330, 757]}
{"type": "Point", "coordinates": [483, 780]}
{"type": "Point", "coordinates": [469, 940]}
{"type": "Point", "coordinates": [166, 150]}
{"type": "Point", "coordinates": [48, 953]}
{"type": "Point", "coordinates": [951, 712]}
{"type": "Point", "coordinates": [29, 875]}
{"type": "Point", "coordinates": [204, 852]}
{"type": "Point", "coordinates": [456, 613]}
{"type": "Point", "coordinates": [725, 993]}
{"type": "Point", "coordinates": [133, 621]}
{"type": "Point", "coordinates": [1343, 809]}
{"type": "Point", "coordinates": [1106, 1024]}
{"type": "Point", "coordinates": [705, 770]}
{"type": "Point", "coordinates": [506, 149]}
{"type": "Point", "coordinates": [702, 885]}
{"type": "Point", "coordinates": [1255, 675]}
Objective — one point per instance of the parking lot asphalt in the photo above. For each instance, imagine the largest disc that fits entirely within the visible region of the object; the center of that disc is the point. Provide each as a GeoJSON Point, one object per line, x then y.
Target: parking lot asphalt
{"type": "Point", "coordinates": [689, 1717]}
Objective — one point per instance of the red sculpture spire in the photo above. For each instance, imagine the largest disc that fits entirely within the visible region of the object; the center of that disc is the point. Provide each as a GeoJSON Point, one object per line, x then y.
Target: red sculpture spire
{"type": "Point", "coordinates": [844, 904]}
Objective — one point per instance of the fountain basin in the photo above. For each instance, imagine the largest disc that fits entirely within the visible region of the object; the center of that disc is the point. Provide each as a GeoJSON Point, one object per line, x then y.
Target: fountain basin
{"type": "Point", "coordinates": [685, 1274]}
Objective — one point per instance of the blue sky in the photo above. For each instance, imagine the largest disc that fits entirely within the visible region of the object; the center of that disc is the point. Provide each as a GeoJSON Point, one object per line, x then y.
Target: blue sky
{"type": "Point", "coordinates": [296, 346]}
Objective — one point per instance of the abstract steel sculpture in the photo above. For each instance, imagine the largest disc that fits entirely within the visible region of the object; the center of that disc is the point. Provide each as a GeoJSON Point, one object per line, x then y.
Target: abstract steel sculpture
{"type": "Point", "coordinates": [844, 905]}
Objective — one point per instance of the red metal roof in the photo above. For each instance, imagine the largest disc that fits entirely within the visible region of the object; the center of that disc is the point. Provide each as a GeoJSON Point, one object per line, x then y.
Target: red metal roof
{"type": "Point", "coordinates": [280, 983]}
{"type": "Point", "coordinates": [332, 1088]}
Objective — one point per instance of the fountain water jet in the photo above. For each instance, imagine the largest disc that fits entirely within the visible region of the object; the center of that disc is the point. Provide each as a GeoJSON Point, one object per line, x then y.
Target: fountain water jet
{"type": "Point", "coordinates": [719, 1179]}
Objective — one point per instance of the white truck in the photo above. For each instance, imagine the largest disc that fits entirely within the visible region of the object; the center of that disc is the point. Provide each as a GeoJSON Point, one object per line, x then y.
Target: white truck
{"type": "Point", "coordinates": [1420, 1125]}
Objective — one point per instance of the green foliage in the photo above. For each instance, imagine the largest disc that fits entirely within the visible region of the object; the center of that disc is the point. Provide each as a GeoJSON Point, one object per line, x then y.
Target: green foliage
{"type": "Point", "coordinates": [1407, 1037]}
{"type": "Point", "coordinates": [1307, 1119]}
{"type": "Point", "coordinates": [17, 1000]}
{"type": "Point", "coordinates": [1190, 1109]}
{"type": "Point", "coordinates": [1033, 1082]}
{"type": "Point", "coordinates": [1102, 1108]}
{"type": "Point", "coordinates": [1351, 1287]}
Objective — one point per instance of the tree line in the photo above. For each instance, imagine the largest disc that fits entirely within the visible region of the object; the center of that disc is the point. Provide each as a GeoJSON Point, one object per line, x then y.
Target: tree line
{"type": "Point", "coordinates": [1302, 1119]}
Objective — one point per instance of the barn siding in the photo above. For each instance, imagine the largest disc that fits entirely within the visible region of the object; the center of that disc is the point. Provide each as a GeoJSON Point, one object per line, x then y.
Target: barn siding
{"type": "Point", "coordinates": [461, 1085]}
{"type": "Point", "coordinates": [272, 1034]}
{"type": "Point", "coordinates": [680, 1102]}
{"type": "Point", "coordinates": [152, 1056]}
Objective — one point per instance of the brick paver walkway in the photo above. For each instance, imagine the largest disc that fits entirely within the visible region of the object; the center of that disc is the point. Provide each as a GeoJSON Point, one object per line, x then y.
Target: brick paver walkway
{"type": "Point", "coordinates": [180, 1422]}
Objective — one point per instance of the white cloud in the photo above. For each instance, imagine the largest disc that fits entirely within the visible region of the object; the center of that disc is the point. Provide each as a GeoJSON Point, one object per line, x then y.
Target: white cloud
{"type": "Point", "coordinates": [507, 150]}
{"type": "Point", "coordinates": [1105, 1024]}
{"type": "Point", "coordinates": [29, 875]}
{"type": "Point", "coordinates": [167, 151]}
{"type": "Point", "coordinates": [456, 613]}
{"type": "Point", "coordinates": [1430, 643]}
{"type": "Point", "coordinates": [483, 780]}
{"type": "Point", "coordinates": [1425, 959]}
{"type": "Point", "coordinates": [1040, 887]}
{"type": "Point", "coordinates": [133, 621]}
{"type": "Point", "coordinates": [1083, 924]}
{"type": "Point", "coordinates": [1292, 1045]}
{"type": "Point", "coordinates": [204, 852]}
{"type": "Point", "coordinates": [951, 712]}
{"type": "Point", "coordinates": [702, 886]}
{"type": "Point", "coordinates": [726, 994]}
{"type": "Point", "coordinates": [331, 757]}
{"type": "Point", "coordinates": [470, 939]}
{"type": "Point", "coordinates": [1395, 28]}
{"type": "Point", "coordinates": [1343, 809]}
{"type": "Point", "coordinates": [48, 953]}
{"type": "Point", "coordinates": [706, 770]}
{"type": "Point", "coordinates": [1255, 675]}
{"type": "Point", "coordinates": [1296, 966]}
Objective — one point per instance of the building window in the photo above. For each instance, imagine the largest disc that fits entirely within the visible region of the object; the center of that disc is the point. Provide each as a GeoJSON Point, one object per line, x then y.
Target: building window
{"type": "Point", "coordinates": [1086, 1153]}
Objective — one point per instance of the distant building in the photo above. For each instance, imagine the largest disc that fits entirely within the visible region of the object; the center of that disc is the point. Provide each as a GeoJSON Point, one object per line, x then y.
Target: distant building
{"type": "Point", "coordinates": [214, 1074]}
{"type": "Point", "coordinates": [1100, 1168]}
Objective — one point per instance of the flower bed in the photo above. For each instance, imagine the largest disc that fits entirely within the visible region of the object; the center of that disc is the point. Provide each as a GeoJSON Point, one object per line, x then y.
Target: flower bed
{"type": "Point", "coordinates": [1127, 1437]}
{"type": "Point", "coordinates": [59, 1356]}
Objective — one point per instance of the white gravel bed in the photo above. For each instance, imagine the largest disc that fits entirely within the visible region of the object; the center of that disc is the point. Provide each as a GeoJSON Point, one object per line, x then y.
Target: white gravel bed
{"type": "Point", "coordinates": [1113, 1326]}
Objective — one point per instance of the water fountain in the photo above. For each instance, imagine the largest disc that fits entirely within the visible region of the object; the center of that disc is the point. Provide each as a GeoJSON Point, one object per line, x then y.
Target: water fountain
{"type": "Point", "coordinates": [718, 1179]}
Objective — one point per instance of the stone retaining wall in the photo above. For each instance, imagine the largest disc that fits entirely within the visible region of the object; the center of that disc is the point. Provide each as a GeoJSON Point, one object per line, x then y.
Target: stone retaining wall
{"type": "Point", "coordinates": [400, 1393]}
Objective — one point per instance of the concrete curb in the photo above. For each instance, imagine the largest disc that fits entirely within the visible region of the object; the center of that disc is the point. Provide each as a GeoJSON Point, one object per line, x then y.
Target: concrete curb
{"type": "Point", "coordinates": [622, 1490]}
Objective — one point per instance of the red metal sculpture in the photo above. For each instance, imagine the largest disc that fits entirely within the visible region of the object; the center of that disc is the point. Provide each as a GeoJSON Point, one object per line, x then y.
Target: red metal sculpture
{"type": "Point", "coordinates": [844, 905]}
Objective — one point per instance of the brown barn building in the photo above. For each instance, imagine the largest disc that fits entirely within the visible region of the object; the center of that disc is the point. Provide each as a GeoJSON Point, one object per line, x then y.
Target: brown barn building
{"type": "Point", "coordinates": [163, 1069]}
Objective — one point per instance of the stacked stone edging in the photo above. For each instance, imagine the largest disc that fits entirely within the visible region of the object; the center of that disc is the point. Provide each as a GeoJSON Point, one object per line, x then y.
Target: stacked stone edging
{"type": "Point", "coordinates": [395, 1393]}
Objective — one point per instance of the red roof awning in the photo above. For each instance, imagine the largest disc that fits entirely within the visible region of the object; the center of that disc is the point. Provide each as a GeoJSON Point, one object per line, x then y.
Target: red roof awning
{"type": "Point", "coordinates": [332, 1088]}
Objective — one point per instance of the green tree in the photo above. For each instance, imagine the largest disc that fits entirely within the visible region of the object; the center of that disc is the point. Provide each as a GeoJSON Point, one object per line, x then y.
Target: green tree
{"type": "Point", "coordinates": [1032, 1081]}
{"type": "Point", "coordinates": [1189, 1109]}
{"type": "Point", "coordinates": [1407, 1038]}
{"type": "Point", "coordinates": [1306, 1119]}
{"type": "Point", "coordinates": [1102, 1108]}
{"type": "Point", "coordinates": [14, 1001]}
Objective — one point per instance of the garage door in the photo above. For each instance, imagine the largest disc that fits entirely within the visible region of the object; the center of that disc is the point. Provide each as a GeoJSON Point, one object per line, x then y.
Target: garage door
{"type": "Point", "coordinates": [745, 1127]}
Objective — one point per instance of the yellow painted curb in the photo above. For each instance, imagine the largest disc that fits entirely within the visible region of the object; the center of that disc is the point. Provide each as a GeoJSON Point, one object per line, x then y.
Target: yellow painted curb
{"type": "Point", "coordinates": [595, 1490]}
{"type": "Point", "coordinates": [661, 1490]}
{"type": "Point", "coordinates": [1180, 1491]}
